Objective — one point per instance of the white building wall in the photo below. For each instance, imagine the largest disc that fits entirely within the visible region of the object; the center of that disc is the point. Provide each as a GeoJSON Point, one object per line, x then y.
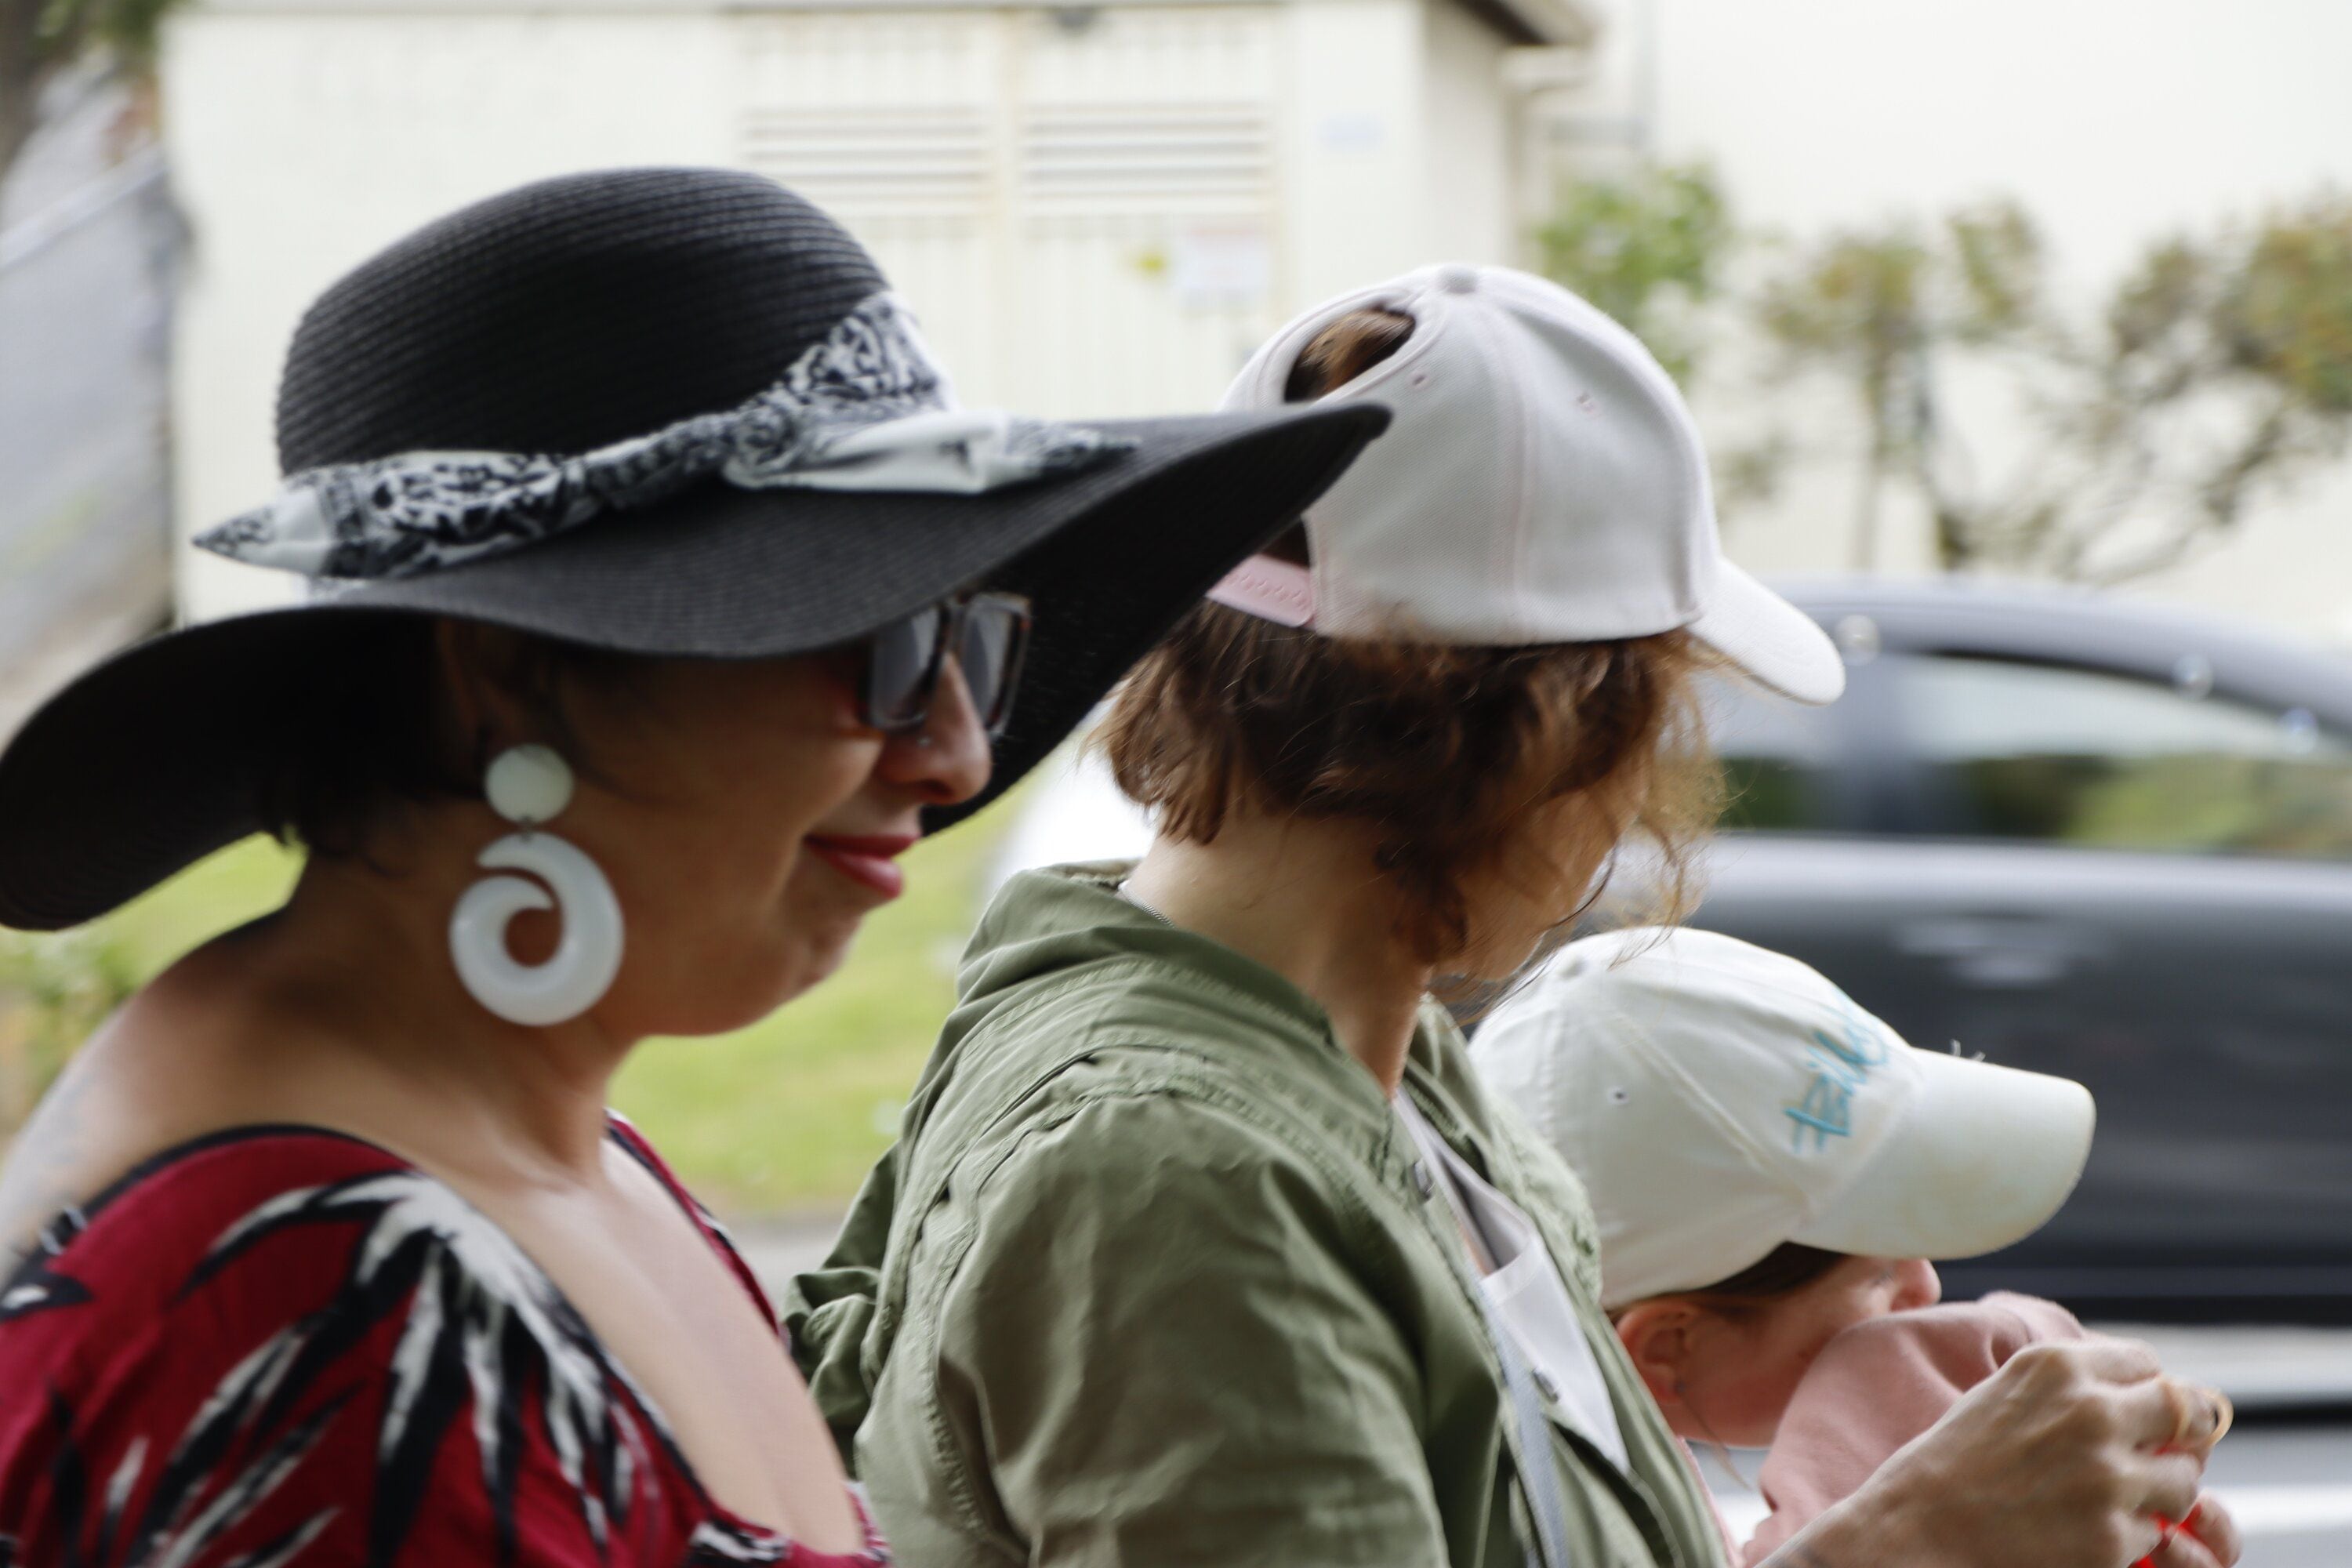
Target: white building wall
{"type": "Point", "coordinates": [1096, 212]}
{"type": "Point", "coordinates": [2114, 119]}
{"type": "Point", "coordinates": [1148, 215]}
{"type": "Point", "coordinates": [1469, 162]}
{"type": "Point", "coordinates": [1086, 216]}
{"type": "Point", "coordinates": [1353, 144]}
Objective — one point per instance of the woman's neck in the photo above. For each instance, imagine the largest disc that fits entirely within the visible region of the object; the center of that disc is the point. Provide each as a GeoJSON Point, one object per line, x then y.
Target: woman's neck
{"type": "Point", "coordinates": [1304, 899]}
{"type": "Point", "coordinates": [359, 962]}
{"type": "Point", "coordinates": [341, 1011]}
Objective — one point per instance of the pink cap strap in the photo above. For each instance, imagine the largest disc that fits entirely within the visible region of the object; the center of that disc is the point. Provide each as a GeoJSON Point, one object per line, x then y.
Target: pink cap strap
{"type": "Point", "coordinates": [1276, 591]}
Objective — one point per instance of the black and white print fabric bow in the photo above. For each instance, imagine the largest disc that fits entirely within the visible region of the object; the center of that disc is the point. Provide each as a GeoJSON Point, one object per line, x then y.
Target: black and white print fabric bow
{"type": "Point", "coordinates": [865, 409]}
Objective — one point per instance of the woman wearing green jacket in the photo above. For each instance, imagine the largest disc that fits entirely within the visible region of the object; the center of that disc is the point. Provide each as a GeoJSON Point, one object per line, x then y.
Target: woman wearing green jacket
{"type": "Point", "coordinates": [1201, 1243]}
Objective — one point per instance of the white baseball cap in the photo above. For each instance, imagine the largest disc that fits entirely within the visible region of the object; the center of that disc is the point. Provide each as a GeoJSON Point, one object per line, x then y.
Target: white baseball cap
{"type": "Point", "coordinates": [1720, 1100]}
{"type": "Point", "coordinates": [1542, 482]}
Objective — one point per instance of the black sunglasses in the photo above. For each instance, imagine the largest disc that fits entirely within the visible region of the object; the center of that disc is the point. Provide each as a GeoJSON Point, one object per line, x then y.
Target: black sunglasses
{"type": "Point", "coordinates": [987, 633]}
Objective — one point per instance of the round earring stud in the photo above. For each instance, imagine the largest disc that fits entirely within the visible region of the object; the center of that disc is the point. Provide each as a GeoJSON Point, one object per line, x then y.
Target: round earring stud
{"type": "Point", "coordinates": [527, 784]}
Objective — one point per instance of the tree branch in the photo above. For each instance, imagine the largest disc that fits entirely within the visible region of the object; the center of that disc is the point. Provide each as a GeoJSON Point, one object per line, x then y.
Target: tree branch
{"type": "Point", "coordinates": [19, 76]}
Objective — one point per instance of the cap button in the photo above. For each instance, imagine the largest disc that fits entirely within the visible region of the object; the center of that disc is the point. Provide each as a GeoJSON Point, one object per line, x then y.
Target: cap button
{"type": "Point", "coordinates": [1458, 279]}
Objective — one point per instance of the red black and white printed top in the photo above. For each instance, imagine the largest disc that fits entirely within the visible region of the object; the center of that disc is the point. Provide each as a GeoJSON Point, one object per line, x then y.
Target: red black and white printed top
{"type": "Point", "coordinates": [280, 1347]}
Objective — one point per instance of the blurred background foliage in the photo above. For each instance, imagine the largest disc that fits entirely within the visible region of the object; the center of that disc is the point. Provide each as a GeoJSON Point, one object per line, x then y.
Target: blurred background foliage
{"type": "Point", "coordinates": [54, 990]}
{"type": "Point", "coordinates": [1650, 249]}
{"type": "Point", "coordinates": [40, 40]}
{"type": "Point", "coordinates": [2159, 406]}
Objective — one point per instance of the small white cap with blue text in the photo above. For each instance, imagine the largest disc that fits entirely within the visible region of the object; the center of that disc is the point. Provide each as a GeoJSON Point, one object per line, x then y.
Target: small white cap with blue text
{"type": "Point", "coordinates": [1720, 1100]}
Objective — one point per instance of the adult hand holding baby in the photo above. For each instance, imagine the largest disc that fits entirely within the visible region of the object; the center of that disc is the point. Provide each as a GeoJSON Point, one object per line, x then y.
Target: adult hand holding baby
{"type": "Point", "coordinates": [2071, 1456]}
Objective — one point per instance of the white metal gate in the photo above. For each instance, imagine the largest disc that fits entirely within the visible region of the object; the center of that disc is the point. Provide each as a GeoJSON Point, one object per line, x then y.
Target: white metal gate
{"type": "Point", "coordinates": [1083, 205]}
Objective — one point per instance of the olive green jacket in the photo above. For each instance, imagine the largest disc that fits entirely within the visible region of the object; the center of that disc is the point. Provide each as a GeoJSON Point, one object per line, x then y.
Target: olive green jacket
{"type": "Point", "coordinates": [1151, 1278]}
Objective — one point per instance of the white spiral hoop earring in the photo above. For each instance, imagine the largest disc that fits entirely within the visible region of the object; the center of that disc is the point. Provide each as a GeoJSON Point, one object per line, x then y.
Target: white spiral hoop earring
{"type": "Point", "coordinates": [529, 786]}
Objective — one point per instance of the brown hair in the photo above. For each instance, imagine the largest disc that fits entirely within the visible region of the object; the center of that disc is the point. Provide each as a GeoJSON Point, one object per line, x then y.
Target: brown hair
{"type": "Point", "coordinates": [1783, 1272]}
{"type": "Point", "coordinates": [1453, 755]}
{"type": "Point", "coordinates": [378, 736]}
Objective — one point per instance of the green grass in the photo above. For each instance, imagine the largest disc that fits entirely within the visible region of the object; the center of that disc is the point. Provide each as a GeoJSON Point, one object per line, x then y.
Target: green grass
{"type": "Point", "coordinates": [787, 1115]}
{"type": "Point", "coordinates": [227, 890]}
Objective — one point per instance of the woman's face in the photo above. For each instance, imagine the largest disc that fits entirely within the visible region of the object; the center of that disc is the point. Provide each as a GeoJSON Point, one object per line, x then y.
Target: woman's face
{"type": "Point", "coordinates": [1729, 1377]}
{"type": "Point", "coordinates": [749, 820]}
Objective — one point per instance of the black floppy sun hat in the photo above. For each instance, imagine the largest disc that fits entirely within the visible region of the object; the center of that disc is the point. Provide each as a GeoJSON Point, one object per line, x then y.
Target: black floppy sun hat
{"type": "Point", "coordinates": [665, 412]}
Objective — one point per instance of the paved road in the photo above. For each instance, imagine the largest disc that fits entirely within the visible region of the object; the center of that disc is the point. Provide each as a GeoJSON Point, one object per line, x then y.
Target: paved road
{"type": "Point", "coordinates": [2292, 1487]}
{"type": "Point", "coordinates": [2290, 1482]}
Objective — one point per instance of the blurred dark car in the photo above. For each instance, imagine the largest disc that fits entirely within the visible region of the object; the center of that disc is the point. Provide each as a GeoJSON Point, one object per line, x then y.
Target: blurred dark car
{"type": "Point", "coordinates": [2099, 840]}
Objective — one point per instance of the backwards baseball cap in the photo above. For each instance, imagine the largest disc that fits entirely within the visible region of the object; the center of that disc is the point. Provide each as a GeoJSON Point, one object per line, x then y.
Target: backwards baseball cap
{"type": "Point", "coordinates": [1542, 482]}
{"type": "Point", "coordinates": [1720, 1100]}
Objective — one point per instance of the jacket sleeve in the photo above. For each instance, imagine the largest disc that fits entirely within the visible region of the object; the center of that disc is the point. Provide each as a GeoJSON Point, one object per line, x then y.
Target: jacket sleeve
{"type": "Point", "coordinates": [1151, 1350]}
{"type": "Point", "coordinates": [1877, 1387]}
{"type": "Point", "coordinates": [828, 1310]}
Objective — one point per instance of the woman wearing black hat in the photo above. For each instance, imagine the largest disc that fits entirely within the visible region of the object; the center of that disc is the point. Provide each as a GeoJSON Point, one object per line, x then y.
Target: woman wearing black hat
{"type": "Point", "coordinates": [670, 595]}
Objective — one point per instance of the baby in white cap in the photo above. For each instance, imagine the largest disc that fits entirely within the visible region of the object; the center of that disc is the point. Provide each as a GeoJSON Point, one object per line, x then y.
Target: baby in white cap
{"type": "Point", "coordinates": [1772, 1168]}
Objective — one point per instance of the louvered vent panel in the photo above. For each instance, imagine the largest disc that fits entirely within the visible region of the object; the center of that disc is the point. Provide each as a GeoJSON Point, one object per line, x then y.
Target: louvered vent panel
{"type": "Point", "coordinates": [1085, 210]}
{"type": "Point", "coordinates": [1173, 158]}
{"type": "Point", "coordinates": [899, 162]}
{"type": "Point", "coordinates": [878, 113]}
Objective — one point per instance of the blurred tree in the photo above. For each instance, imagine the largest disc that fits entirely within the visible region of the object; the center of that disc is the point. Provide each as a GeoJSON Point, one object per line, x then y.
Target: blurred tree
{"type": "Point", "coordinates": [1650, 249]}
{"type": "Point", "coordinates": [54, 990]}
{"type": "Point", "coordinates": [2218, 367]}
{"type": "Point", "coordinates": [1876, 310]}
{"type": "Point", "coordinates": [2223, 366]}
{"type": "Point", "coordinates": [40, 40]}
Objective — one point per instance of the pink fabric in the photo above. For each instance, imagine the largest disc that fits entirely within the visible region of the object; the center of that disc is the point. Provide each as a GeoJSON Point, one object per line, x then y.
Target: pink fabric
{"type": "Point", "coordinates": [1877, 1387]}
{"type": "Point", "coordinates": [1277, 591]}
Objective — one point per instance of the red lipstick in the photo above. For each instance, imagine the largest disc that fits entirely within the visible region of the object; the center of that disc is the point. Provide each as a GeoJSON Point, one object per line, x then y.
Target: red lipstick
{"type": "Point", "coordinates": [869, 860]}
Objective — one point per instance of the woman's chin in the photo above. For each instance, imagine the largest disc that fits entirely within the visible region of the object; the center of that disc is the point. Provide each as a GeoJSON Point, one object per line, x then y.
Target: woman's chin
{"type": "Point", "coordinates": [823, 953]}
{"type": "Point", "coordinates": [718, 1007]}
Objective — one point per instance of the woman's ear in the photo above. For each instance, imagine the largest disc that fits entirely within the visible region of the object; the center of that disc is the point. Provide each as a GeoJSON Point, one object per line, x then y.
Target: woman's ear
{"type": "Point", "coordinates": [1658, 1335]}
{"type": "Point", "coordinates": [479, 666]}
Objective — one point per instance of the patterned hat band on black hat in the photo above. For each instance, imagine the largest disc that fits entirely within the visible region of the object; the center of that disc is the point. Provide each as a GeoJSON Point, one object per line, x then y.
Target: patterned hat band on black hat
{"type": "Point", "coordinates": [865, 409]}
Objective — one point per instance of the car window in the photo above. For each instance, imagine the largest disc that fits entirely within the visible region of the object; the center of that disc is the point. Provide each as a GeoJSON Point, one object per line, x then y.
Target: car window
{"type": "Point", "coordinates": [1778, 758]}
{"type": "Point", "coordinates": [2108, 761]}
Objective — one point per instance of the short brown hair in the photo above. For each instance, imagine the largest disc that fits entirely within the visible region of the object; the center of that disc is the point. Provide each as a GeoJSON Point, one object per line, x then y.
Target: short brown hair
{"type": "Point", "coordinates": [377, 741]}
{"type": "Point", "coordinates": [1780, 1273]}
{"type": "Point", "coordinates": [1783, 1272]}
{"type": "Point", "coordinates": [1452, 754]}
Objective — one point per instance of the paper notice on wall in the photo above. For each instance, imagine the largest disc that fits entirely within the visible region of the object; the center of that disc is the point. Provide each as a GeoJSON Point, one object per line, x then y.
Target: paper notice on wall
{"type": "Point", "coordinates": [1351, 132]}
{"type": "Point", "coordinates": [1222, 266]}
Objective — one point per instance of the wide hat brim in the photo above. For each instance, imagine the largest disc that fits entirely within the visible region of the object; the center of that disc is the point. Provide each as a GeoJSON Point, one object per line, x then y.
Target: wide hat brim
{"type": "Point", "coordinates": [152, 760]}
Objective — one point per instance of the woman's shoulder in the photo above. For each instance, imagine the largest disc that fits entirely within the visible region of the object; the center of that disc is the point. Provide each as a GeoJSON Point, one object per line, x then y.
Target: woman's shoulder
{"type": "Point", "coordinates": [1158, 1180]}
{"type": "Point", "coordinates": [276, 1334]}
{"type": "Point", "coordinates": [139, 1084]}
{"type": "Point", "coordinates": [157, 1233]}
{"type": "Point", "coordinates": [171, 1331]}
